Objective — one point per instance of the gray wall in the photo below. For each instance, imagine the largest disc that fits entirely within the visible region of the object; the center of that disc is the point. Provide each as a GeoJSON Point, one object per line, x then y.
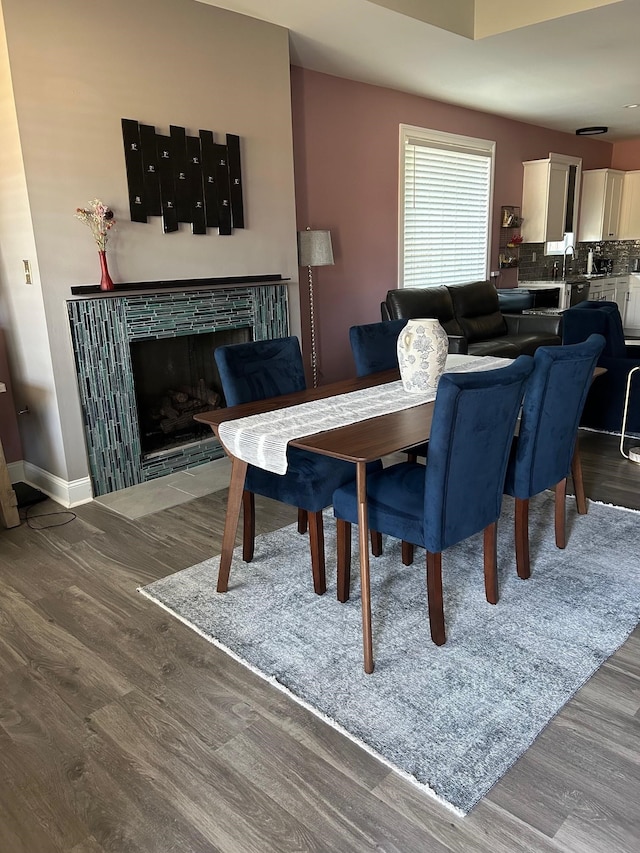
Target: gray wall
{"type": "Point", "coordinates": [77, 68]}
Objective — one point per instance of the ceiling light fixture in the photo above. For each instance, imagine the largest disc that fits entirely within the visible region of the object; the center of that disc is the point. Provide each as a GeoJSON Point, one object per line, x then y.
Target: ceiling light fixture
{"type": "Point", "coordinates": [591, 131]}
{"type": "Point", "coordinates": [631, 106]}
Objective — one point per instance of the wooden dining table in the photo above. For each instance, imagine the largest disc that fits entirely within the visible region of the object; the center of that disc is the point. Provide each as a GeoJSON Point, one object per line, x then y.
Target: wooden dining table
{"type": "Point", "coordinates": [360, 442]}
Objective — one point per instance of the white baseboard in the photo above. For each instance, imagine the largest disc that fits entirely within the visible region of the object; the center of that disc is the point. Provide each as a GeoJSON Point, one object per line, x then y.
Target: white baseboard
{"type": "Point", "coordinates": [16, 471]}
{"type": "Point", "coordinates": [66, 493]}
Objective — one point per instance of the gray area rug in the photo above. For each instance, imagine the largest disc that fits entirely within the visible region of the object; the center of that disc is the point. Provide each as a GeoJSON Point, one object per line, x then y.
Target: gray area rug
{"type": "Point", "coordinates": [452, 719]}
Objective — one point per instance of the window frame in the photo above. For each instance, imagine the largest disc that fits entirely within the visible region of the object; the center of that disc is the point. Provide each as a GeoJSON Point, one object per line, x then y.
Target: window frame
{"type": "Point", "coordinates": [452, 142]}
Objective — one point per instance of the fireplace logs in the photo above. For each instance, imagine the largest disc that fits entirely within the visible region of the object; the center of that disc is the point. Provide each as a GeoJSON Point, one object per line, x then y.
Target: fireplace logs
{"type": "Point", "coordinates": [179, 405]}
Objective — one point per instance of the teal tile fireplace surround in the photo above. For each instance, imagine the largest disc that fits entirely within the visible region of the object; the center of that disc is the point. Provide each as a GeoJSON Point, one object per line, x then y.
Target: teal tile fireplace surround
{"type": "Point", "coordinates": [102, 329]}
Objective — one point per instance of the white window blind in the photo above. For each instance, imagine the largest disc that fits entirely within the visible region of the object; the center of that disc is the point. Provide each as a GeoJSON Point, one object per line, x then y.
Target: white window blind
{"type": "Point", "coordinates": [446, 190]}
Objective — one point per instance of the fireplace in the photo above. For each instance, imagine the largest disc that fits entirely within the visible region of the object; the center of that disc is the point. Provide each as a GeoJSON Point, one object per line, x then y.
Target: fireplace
{"type": "Point", "coordinates": [138, 354]}
{"type": "Point", "coordinates": [174, 379]}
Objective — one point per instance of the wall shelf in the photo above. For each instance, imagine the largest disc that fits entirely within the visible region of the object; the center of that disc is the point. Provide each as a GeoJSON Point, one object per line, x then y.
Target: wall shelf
{"type": "Point", "coordinates": [510, 237]}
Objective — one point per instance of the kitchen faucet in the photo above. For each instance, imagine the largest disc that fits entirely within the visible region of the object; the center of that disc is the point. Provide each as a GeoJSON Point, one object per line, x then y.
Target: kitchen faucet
{"type": "Point", "coordinates": [564, 261]}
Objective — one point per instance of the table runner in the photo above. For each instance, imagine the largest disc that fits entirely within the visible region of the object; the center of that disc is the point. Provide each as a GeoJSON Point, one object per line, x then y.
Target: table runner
{"type": "Point", "coordinates": [262, 439]}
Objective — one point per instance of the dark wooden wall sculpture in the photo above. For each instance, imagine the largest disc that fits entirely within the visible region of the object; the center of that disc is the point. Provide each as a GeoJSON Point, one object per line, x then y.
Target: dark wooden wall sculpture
{"type": "Point", "coordinates": [191, 179]}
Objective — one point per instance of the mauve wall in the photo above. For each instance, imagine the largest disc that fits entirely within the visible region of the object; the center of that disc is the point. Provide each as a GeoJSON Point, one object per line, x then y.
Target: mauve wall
{"type": "Point", "coordinates": [626, 155]}
{"type": "Point", "coordinates": [346, 140]}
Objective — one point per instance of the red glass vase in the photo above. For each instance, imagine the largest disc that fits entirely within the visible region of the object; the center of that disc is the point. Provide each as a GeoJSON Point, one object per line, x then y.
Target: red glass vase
{"type": "Point", "coordinates": [105, 279]}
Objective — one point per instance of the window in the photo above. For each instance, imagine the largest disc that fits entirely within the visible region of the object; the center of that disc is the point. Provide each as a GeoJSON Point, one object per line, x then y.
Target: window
{"type": "Point", "coordinates": [559, 247]}
{"type": "Point", "coordinates": [446, 188]}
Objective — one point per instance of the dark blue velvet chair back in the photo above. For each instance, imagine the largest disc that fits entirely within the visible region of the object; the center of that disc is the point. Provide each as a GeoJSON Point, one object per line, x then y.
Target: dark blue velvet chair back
{"type": "Point", "coordinates": [257, 371]}
{"type": "Point", "coordinates": [471, 434]}
{"type": "Point", "coordinates": [545, 451]}
{"type": "Point", "coordinates": [374, 346]}
{"type": "Point", "coordinates": [595, 318]}
{"type": "Point", "coordinates": [459, 491]}
{"type": "Point", "coordinates": [260, 369]}
{"type": "Point", "coordinates": [554, 398]}
{"type": "Point", "coordinates": [605, 402]}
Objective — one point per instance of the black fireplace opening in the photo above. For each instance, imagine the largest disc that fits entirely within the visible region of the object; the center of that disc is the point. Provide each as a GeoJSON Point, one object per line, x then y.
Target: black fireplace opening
{"type": "Point", "coordinates": [174, 379]}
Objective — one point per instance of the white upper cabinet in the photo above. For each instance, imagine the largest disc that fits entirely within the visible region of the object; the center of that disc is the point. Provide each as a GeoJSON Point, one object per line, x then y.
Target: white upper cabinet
{"type": "Point", "coordinates": [630, 210]}
{"type": "Point", "coordinates": [548, 195]}
{"type": "Point", "coordinates": [600, 205]}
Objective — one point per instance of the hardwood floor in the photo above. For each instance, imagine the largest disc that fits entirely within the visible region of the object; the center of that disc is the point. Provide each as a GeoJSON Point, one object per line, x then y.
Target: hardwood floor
{"type": "Point", "coordinates": [123, 730]}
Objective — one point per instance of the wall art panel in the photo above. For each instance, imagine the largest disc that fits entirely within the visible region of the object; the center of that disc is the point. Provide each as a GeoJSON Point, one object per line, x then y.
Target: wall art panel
{"type": "Point", "coordinates": [185, 179]}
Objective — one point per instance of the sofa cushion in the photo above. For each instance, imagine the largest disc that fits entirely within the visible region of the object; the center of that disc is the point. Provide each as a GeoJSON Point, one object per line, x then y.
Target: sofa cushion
{"type": "Point", "coordinates": [528, 343]}
{"type": "Point", "coordinates": [477, 311]}
{"type": "Point", "coordinates": [514, 299]}
{"type": "Point", "coordinates": [421, 302]}
{"type": "Point", "coordinates": [502, 347]}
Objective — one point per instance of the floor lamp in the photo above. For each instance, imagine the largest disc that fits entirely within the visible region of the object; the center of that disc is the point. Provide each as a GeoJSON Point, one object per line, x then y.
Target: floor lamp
{"type": "Point", "coordinates": [314, 250]}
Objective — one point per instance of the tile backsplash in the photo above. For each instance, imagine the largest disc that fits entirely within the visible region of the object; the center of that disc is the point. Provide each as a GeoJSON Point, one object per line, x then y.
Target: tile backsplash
{"type": "Point", "coordinates": [621, 252]}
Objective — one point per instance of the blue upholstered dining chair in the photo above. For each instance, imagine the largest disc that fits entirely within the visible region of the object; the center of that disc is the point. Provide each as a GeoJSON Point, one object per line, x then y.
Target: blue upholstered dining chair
{"type": "Point", "coordinates": [374, 348]}
{"type": "Point", "coordinates": [374, 345]}
{"type": "Point", "coordinates": [542, 453]}
{"type": "Point", "coordinates": [257, 371]}
{"type": "Point", "coordinates": [459, 491]}
{"type": "Point", "coordinates": [604, 406]}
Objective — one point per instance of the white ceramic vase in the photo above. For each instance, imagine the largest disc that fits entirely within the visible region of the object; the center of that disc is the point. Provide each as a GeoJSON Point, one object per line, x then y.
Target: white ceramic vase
{"type": "Point", "coordinates": [422, 352]}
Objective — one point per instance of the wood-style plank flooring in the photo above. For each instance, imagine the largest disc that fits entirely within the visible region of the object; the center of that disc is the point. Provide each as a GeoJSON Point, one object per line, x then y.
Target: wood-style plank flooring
{"type": "Point", "coordinates": [122, 730]}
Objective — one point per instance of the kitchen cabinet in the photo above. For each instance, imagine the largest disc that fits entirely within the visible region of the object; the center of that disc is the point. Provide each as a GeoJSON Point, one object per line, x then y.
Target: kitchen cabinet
{"type": "Point", "coordinates": [600, 204]}
{"type": "Point", "coordinates": [545, 200]}
{"type": "Point", "coordinates": [621, 295]}
{"type": "Point", "coordinates": [550, 191]}
{"type": "Point", "coordinates": [611, 290]}
{"type": "Point", "coordinates": [632, 318]}
{"type": "Point", "coordinates": [598, 293]}
{"type": "Point", "coordinates": [630, 208]}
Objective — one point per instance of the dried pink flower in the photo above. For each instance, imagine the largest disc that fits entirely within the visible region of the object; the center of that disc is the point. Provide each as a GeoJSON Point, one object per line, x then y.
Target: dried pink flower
{"type": "Point", "coordinates": [99, 218]}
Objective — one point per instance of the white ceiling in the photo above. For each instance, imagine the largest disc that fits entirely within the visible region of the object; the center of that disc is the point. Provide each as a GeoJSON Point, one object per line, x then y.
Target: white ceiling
{"type": "Point", "coordinates": [569, 72]}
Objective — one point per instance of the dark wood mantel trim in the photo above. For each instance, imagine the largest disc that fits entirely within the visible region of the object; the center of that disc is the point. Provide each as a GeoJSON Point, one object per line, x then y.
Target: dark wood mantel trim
{"type": "Point", "coordinates": [93, 290]}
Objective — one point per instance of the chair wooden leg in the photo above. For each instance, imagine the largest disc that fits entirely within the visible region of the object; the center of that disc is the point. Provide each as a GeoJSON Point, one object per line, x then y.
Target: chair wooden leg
{"type": "Point", "coordinates": [412, 457]}
{"type": "Point", "coordinates": [491, 563]}
{"type": "Point", "coordinates": [376, 543]}
{"type": "Point", "coordinates": [522, 538]}
{"type": "Point", "coordinates": [578, 484]}
{"type": "Point", "coordinates": [561, 520]}
{"type": "Point", "coordinates": [248, 525]}
{"type": "Point", "coordinates": [302, 520]}
{"type": "Point", "coordinates": [407, 553]}
{"type": "Point", "coordinates": [434, 598]}
{"type": "Point", "coordinates": [316, 543]}
{"type": "Point", "coordinates": [343, 538]}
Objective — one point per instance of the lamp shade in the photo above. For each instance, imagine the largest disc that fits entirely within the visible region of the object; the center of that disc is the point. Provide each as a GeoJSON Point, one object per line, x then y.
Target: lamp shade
{"type": "Point", "coordinates": [314, 248]}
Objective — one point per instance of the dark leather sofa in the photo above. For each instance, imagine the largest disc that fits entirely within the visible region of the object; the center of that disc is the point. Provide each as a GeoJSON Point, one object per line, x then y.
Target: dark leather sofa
{"type": "Point", "coordinates": [471, 311]}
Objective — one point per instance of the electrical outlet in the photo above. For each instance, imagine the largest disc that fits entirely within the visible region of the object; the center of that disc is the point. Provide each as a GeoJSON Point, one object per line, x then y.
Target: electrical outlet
{"type": "Point", "coordinates": [27, 272]}
{"type": "Point", "coordinates": [534, 255]}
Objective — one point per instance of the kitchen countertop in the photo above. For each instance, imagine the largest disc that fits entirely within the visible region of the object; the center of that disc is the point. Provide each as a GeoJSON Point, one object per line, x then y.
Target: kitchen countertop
{"type": "Point", "coordinates": [574, 279]}
{"type": "Point", "coordinates": [539, 285]}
